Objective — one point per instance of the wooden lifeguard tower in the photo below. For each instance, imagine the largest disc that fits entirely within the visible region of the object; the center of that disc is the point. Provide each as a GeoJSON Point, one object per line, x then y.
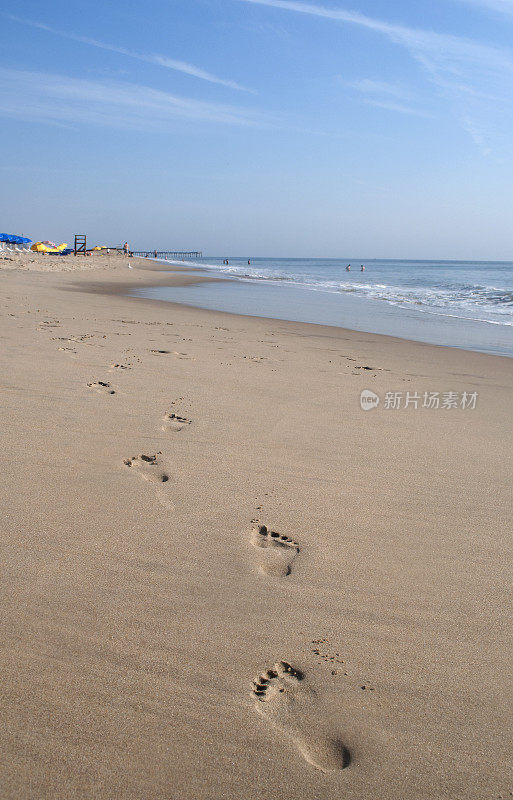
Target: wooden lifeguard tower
{"type": "Point", "coordinates": [80, 243]}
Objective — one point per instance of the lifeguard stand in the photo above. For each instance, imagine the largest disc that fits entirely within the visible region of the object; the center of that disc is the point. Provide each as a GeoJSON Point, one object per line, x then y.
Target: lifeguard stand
{"type": "Point", "coordinates": [80, 243]}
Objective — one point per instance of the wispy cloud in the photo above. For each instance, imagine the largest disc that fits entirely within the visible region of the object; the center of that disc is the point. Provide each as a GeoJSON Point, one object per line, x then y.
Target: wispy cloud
{"type": "Point", "coordinates": [150, 58]}
{"type": "Point", "coordinates": [475, 133]}
{"type": "Point", "coordinates": [503, 6]}
{"type": "Point", "coordinates": [442, 48]}
{"type": "Point", "coordinates": [60, 99]}
{"type": "Point", "coordinates": [460, 68]}
{"type": "Point", "coordinates": [369, 86]}
{"type": "Point", "coordinates": [397, 107]}
{"type": "Point", "coordinates": [385, 95]}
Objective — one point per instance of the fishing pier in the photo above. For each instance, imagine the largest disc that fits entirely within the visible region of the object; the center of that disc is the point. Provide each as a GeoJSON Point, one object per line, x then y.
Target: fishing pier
{"type": "Point", "coordinates": [182, 256]}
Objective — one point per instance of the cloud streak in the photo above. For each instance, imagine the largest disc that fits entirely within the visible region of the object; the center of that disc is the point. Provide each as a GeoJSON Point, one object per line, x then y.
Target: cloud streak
{"type": "Point", "coordinates": [149, 58]}
{"type": "Point", "coordinates": [398, 107]}
{"type": "Point", "coordinates": [60, 99]}
{"type": "Point", "coordinates": [389, 96]}
{"type": "Point", "coordinates": [503, 6]}
{"type": "Point", "coordinates": [443, 48]}
{"type": "Point", "coordinates": [369, 86]}
{"type": "Point", "coordinates": [472, 76]}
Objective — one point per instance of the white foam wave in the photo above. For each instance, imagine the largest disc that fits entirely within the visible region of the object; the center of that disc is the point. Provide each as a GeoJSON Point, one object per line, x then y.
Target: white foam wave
{"type": "Point", "coordinates": [466, 301]}
{"type": "Point", "coordinates": [483, 303]}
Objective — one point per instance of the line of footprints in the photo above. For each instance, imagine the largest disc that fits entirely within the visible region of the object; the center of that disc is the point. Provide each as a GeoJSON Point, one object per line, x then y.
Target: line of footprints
{"type": "Point", "coordinates": [282, 694]}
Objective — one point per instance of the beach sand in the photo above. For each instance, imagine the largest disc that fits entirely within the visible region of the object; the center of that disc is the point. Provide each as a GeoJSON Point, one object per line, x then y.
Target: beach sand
{"type": "Point", "coordinates": [159, 640]}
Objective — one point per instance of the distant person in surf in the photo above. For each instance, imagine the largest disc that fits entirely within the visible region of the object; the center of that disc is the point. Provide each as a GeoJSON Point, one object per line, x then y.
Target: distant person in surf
{"type": "Point", "coordinates": [362, 269]}
{"type": "Point", "coordinates": [249, 261]}
{"type": "Point", "coordinates": [155, 253]}
{"type": "Point", "coordinates": [348, 268]}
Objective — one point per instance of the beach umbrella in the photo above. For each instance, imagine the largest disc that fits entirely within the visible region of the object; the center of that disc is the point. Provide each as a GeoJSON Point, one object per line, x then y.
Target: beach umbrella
{"type": "Point", "coordinates": [11, 238]}
{"type": "Point", "coordinates": [48, 247]}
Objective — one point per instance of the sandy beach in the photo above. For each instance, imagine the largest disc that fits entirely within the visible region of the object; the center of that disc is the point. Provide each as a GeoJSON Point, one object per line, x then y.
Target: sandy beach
{"type": "Point", "coordinates": [222, 578]}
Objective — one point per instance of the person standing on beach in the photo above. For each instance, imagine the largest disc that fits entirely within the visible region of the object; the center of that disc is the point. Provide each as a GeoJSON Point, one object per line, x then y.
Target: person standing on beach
{"type": "Point", "coordinates": [155, 253]}
{"type": "Point", "coordinates": [125, 248]}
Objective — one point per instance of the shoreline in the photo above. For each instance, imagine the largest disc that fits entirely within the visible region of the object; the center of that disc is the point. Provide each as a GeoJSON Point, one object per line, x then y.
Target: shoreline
{"type": "Point", "coordinates": [168, 279]}
{"type": "Point", "coordinates": [313, 291]}
{"type": "Point", "coordinates": [144, 441]}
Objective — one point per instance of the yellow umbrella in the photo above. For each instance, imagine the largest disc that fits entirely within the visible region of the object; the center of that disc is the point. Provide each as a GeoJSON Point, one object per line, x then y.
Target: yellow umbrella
{"type": "Point", "coordinates": [39, 247]}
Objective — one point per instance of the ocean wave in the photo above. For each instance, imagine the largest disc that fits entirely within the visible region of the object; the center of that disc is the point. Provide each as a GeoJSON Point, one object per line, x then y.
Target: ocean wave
{"type": "Point", "coordinates": [198, 264]}
{"type": "Point", "coordinates": [464, 300]}
{"type": "Point", "coordinates": [446, 297]}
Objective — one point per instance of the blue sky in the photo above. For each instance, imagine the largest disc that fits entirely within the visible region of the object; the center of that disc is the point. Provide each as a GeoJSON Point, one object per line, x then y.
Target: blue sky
{"type": "Point", "coordinates": [261, 127]}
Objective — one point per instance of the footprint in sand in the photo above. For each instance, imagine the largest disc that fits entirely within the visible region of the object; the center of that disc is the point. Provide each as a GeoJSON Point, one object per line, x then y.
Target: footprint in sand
{"type": "Point", "coordinates": [174, 353]}
{"type": "Point", "coordinates": [102, 386]}
{"type": "Point", "coordinates": [151, 469]}
{"type": "Point", "coordinates": [283, 696]}
{"type": "Point", "coordinates": [279, 551]}
{"type": "Point", "coordinates": [172, 422]}
{"type": "Point", "coordinates": [68, 350]}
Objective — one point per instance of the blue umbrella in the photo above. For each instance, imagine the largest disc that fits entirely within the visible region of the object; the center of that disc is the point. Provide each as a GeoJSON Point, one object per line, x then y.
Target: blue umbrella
{"type": "Point", "coordinates": [11, 238]}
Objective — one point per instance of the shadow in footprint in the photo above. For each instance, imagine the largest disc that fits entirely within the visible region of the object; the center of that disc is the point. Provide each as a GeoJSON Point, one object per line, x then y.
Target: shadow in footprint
{"type": "Point", "coordinates": [150, 469]}
{"type": "Point", "coordinates": [278, 551]}
{"type": "Point", "coordinates": [172, 422]}
{"type": "Point", "coordinates": [282, 695]}
{"type": "Point", "coordinates": [102, 386]}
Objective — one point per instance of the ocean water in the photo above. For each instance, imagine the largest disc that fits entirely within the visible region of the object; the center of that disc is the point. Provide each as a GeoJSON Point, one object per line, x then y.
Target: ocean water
{"type": "Point", "coordinates": [459, 303]}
